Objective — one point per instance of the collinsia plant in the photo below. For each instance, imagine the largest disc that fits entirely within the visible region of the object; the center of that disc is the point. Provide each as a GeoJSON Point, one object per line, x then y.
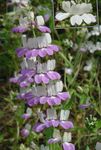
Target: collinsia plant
{"type": "Point", "coordinates": [40, 85]}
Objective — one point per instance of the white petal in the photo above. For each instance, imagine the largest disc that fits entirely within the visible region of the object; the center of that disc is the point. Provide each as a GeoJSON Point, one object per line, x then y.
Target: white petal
{"type": "Point", "coordinates": [76, 20]}
{"type": "Point", "coordinates": [61, 16]}
{"type": "Point", "coordinates": [40, 20]}
{"type": "Point", "coordinates": [66, 6]}
{"type": "Point", "coordinates": [87, 19]}
{"type": "Point", "coordinates": [67, 137]}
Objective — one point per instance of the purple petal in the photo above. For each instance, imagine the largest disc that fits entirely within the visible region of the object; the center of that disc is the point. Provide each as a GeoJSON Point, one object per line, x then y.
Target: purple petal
{"type": "Point", "coordinates": [55, 123]}
{"type": "Point", "coordinates": [24, 132]}
{"type": "Point", "coordinates": [14, 79]}
{"type": "Point", "coordinates": [48, 123]}
{"type": "Point", "coordinates": [63, 95]}
{"type": "Point", "coordinates": [42, 53]}
{"type": "Point", "coordinates": [57, 100]}
{"type": "Point", "coordinates": [26, 116]}
{"type": "Point", "coordinates": [33, 101]}
{"type": "Point", "coordinates": [37, 79]}
{"type": "Point", "coordinates": [84, 106]}
{"type": "Point", "coordinates": [54, 48]}
{"type": "Point", "coordinates": [68, 146]}
{"type": "Point", "coordinates": [53, 75]}
{"type": "Point", "coordinates": [24, 84]}
{"type": "Point", "coordinates": [66, 124]}
{"type": "Point", "coordinates": [44, 78]}
{"type": "Point", "coordinates": [28, 72]}
{"type": "Point", "coordinates": [44, 29]}
{"type": "Point", "coordinates": [50, 101]}
{"type": "Point", "coordinates": [30, 80]}
{"type": "Point", "coordinates": [43, 100]}
{"type": "Point", "coordinates": [39, 127]}
{"type": "Point", "coordinates": [49, 51]}
{"type": "Point", "coordinates": [56, 140]}
{"type": "Point", "coordinates": [46, 17]}
{"type": "Point", "coordinates": [19, 29]}
{"type": "Point", "coordinates": [21, 51]}
{"type": "Point", "coordinates": [28, 95]}
{"type": "Point", "coordinates": [32, 53]}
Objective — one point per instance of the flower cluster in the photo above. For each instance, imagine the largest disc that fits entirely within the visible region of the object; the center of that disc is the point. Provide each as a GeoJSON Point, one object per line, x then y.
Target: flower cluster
{"type": "Point", "coordinates": [39, 83]}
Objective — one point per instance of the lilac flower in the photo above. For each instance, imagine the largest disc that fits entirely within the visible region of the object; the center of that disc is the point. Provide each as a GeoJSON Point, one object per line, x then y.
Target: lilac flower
{"type": "Point", "coordinates": [52, 123]}
{"type": "Point", "coordinates": [84, 106]}
{"type": "Point", "coordinates": [44, 29]}
{"type": "Point", "coordinates": [26, 116]}
{"type": "Point", "coordinates": [39, 127]}
{"type": "Point", "coordinates": [64, 95]}
{"type": "Point", "coordinates": [21, 51]}
{"type": "Point", "coordinates": [19, 29]}
{"type": "Point", "coordinates": [24, 132]}
{"type": "Point", "coordinates": [66, 124]}
{"type": "Point", "coordinates": [45, 78]}
{"type": "Point", "coordinates": [53, 140]}
{"type": "Point", "coordinates": [46, 17]}
{"type": "Point", "coordinates": [68, 146]}
{"type": "Point", "coordinates": [42, 52]}
{"type": "Point", "coordinates": [28, 72]}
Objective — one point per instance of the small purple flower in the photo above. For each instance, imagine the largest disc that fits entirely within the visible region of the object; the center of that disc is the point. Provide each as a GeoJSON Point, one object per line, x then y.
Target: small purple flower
{"type": "Point", "coordinates": [53, 75]}
{"type": "Point", "coordinates": [54, 140]}
{"type": "Point", "coordinates": [64, 95]}
{"type": "Point", "coordinates": [39, 127]}
{"type": "Point", "coordinates": [66, 124]}
{"type": "Point", "coordinates": [26, 116]}
{"type": "Point", "coordinates": [31, 53]}
{"type": "Point", "coordinates": [41, 78]}
{"type": "Point", "coordinates": [24, 133]}
{"type": "Point", "coordinates": [44, 29]}
{"type": "Point", "coordinates": [84, 106]}
{"type": "Point", "coordinates": [28, 72]}
{"type": "Point", "coordinates": [46, 17]}
{"type": "Point", "coordinates": [21, 51]}
{"type": "Point", "coordinates": [68, 146]}
{"type": "Point", "coordinates": [20, 29]}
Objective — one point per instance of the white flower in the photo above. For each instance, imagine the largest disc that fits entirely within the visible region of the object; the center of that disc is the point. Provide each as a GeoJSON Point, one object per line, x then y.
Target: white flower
{"type": "Point", "coordinates": [98, 146]}
{"type": "Point", "coordinates": [88, 66]}
{"type": "Point", "coordinates": [68, 71]}
{"type": "Point", "coordinates": [78, 13]}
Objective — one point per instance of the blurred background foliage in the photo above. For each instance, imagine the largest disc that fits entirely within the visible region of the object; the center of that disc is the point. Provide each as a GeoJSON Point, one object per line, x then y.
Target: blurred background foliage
{"type": "Point", "coordinates": [82, 85]}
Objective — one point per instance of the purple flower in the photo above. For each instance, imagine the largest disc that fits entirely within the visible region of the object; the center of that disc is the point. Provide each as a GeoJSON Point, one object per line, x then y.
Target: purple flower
{"type": "Point", "coordinates": [66, 124]}
{"type": "Point", "coordinates": [44, 78]}
{"type": "Point", "coordinates": [53, 75]}
{"type": "Point", "coordinates": [54, 140]}
{"type": "Point", "coordinates": [41, 52]}
{"type": "Point", "coordinates": [19, 29]}
{"type": "Point", "coordinates": [24, 132]}
{"type": "Point", "coordinates": [39, 127]}
{"type": "Point", "coordinates": [44, 29]}
{"type": "Point", "coordinates": [21, 51]}
{"type": "Point", "coordinates": [46, 17]}
{"type": "Point", "coordinates": [31, 53]}
{"type": "Point", "coordinates": [63, 95]}
{"type": "Point", "coordinates": [13, 79]}
{"type": "Point", "coordinates": [33, 101]}
{"type": "Point", "coordinates": [41, 78]}
{"type": "Point", "coordinates": [84, 106]}
{"type": "Point", "coordinates": [28, 72]}
{"type": "Point", "coordinates": [53, 123]}
{"type": "Point", "coordinates": [68, 146]}
{"type": "Point", "coordinates": [26, 116]}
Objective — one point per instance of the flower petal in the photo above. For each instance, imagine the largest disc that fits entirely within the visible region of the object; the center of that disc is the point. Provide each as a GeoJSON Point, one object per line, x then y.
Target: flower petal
{"type": "Point", "coordinates": [68, 146]}
{"type": "Point", "coordinates": [66, 124]}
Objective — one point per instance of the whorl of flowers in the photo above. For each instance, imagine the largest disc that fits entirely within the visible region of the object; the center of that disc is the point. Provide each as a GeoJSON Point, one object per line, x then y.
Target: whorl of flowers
{"type": "Point", "coordinates": [40, 85]}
